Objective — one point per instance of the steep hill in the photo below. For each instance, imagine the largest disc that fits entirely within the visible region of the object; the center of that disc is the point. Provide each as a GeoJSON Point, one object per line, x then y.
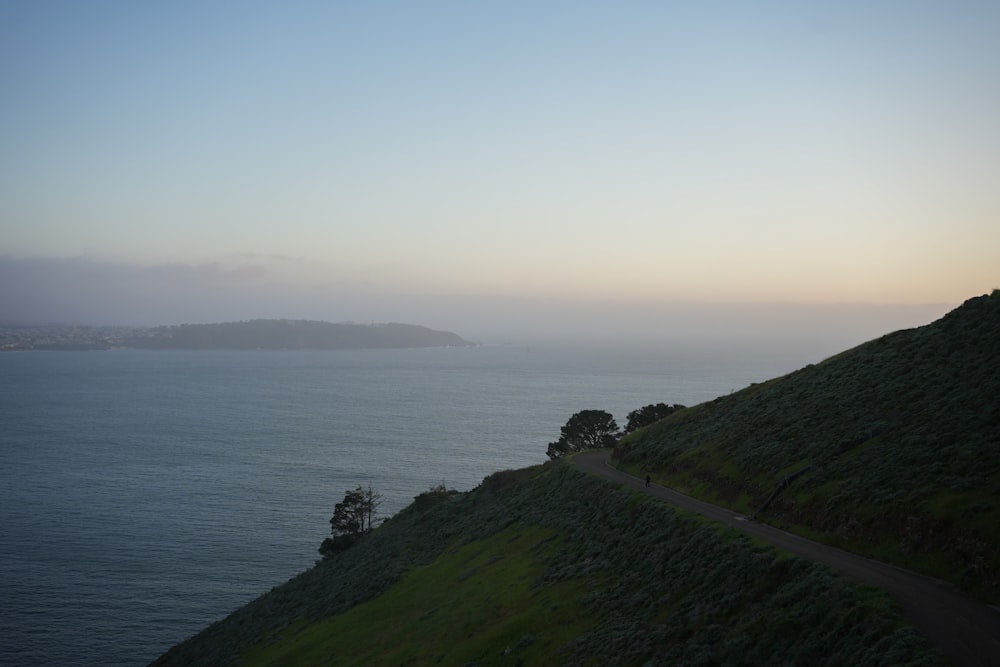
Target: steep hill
{"type": "Point", "coordinates": [891, 449]}
{"type": "Point", "coordinates": [550, 566]}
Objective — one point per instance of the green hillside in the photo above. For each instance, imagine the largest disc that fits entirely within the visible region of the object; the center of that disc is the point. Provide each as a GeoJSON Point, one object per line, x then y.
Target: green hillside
{"type": "Point", "coordinates": [550, 566]}
{"type": "Point", "coordinates": [891, 449]}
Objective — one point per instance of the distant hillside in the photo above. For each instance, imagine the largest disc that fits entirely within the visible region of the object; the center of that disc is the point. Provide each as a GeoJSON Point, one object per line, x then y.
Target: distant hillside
{"type": "Point", "coordinates": [891, 449]}
{"type": "Point", "coordinates": [294, 335]}
{"type": "Point", "coordinates": [551, 566]}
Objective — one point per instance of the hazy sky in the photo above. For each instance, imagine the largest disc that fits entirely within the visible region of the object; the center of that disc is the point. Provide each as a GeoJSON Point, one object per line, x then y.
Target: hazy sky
{"type": "Point", "coordinates": [338, 154]}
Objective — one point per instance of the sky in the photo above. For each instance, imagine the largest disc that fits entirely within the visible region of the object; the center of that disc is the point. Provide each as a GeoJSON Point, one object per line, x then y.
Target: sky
{"type": "Point", "coordinates": [473, 164]}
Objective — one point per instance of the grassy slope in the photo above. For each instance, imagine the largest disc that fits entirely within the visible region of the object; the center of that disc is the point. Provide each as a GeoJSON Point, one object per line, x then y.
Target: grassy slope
{"type": "Point", "coordinates": [461, 607]}
{"type": "Point", "coordinates": [550, 566]}
{"type": "Point", "coordinates": [899, 440]}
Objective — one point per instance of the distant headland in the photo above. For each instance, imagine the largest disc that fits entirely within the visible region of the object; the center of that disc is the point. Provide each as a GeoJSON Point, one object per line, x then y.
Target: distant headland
{"type": "Point", "coordinates": [261, 334]}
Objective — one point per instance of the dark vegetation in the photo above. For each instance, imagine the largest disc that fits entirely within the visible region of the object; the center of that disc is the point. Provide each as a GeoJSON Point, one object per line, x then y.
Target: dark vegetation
{"type": "Point", "coordinates": [891, 449]}
{"type": "Point", "coordinates": [295, 335]}
{"type": "Point", "coordinates": [649, 414]}
{"type": "Point", "coordinates": [353, 517]}
{"type": "Point", "coordinates": [549, 566]}
{"type": "Point", "coordinates": [587, 429]}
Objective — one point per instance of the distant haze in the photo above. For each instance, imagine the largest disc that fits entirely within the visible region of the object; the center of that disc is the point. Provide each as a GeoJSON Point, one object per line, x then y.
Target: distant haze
{"type": "Point", "coordinates": [500, 168]}
{"type": "Point", "coordinates": [87, 292]}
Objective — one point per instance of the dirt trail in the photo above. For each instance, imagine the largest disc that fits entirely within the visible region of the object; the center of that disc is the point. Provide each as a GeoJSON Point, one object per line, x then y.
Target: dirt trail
{"type": "Point", "coordinates": [964, 629]}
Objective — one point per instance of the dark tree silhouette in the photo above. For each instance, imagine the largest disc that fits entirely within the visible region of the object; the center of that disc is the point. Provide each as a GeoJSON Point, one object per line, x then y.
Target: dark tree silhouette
{"type": "Point", "coordinates": [353, 518]}
{"type": "Point", "coordinates": [648, 414]}
{"type": "Point", "coordinates": [587, 429]}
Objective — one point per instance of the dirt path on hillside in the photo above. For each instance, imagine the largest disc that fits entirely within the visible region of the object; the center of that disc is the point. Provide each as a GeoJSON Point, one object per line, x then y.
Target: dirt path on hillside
{"type": "Point", "coordinates": [964, 629]}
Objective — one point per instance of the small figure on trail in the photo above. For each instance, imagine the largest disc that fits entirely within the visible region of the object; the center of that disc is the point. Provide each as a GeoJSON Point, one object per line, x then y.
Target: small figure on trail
{"type": "Point", "coordinates": [647, 480]}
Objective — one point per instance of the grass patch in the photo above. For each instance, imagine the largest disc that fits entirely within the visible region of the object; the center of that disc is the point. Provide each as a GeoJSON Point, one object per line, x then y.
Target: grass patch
{"type": "Point", "coordinates": [478, 604]}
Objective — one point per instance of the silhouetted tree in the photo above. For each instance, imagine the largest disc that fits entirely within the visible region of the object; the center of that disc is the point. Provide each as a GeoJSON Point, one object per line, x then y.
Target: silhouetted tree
{"type": "Point", "coordinates": [353, 517]}
{"type": "Point", "coordinates": [587, 429]}
{"type": "Point", "coordinates": [648, 414]}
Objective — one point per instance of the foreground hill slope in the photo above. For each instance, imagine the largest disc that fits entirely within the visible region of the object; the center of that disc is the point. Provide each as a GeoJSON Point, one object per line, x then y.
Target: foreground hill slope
{"type": "Point", "coordinates": [891, 449]}
{"type": "Point", "coordinates": [551, 566]}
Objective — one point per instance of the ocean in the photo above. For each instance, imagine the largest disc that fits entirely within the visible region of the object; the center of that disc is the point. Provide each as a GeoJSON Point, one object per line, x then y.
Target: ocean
{"type": "Point", "coordinates": [145, 494]}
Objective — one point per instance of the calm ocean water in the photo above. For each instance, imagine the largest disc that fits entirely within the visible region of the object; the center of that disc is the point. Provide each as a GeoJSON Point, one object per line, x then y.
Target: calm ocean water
{"type": "Point", "coordinates": [146, 494]}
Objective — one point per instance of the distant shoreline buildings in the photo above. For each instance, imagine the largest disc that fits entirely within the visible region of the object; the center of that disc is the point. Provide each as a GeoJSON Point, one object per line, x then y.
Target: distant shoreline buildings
{"type": "Point", "coordinates": [247, 335]}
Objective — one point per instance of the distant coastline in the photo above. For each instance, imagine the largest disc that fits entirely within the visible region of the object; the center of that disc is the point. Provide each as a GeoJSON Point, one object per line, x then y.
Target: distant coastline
{"type": "Point", "coordinates": [262, 334]}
